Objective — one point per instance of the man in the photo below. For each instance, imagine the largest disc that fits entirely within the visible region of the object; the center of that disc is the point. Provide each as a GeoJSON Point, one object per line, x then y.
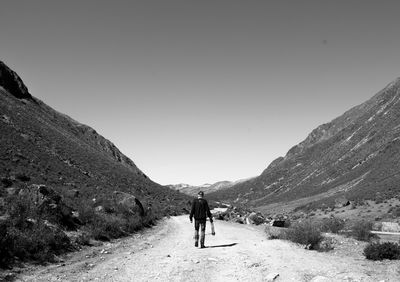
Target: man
{"type": "Point", "coordinates": [200, 211]}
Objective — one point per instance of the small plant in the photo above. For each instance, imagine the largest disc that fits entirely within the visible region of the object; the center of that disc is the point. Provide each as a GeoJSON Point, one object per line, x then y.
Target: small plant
{"type": "Point", "coordinates": [361, 230]}
{"type": "Point", "coordinates": [7, 182]}
{"type": "Point", "coordinates": [22, 177]}
{"type": "Point", "coordinates": [305, 233]}
{"type": "Point", "coordinates": [380, 251]}
{"type": "Point", "coordinates": [274, 233]}
{"type": "Point", "coordinates": [332, 224]}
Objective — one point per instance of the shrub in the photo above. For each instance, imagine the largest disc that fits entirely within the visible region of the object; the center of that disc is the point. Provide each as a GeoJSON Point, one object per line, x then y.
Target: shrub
{"type": "Point", "coordinates": [275, 232]}
{"type": "Point", "coordinates": [380, 251]}
{"type": "Point", "coordinates": [395, 211]}
{"type": "Point", "coordinates": [7, 182]}
{"type": "Point", "coordinates": [38, 243]}
{"type": "Point", "coordinates": [22, 177]}
{"type": "Point", "coordinates": [305, 233]}
{"type": "Point", "coordinates": [361, 230]}
{"type": "Point", "coordinates": [332, 224]}
{"type": "Point", "coordinates": [26, 236]}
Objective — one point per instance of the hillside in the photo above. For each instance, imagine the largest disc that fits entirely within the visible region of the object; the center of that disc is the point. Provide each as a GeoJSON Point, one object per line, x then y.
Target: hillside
{"type": "Point", "coordinates": [52, 148]}
{"type": "Point", "coordinates": [355, 157]}
{"type": "Point", "coordinates": [54, 168]}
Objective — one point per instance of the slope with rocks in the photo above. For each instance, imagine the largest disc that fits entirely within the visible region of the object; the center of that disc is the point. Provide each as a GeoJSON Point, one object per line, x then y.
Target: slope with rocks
{"type": "Point", "coordinates": [50, 147]}
{"type": "Point", "coordinates": [45, 152]}
{"type": "Point", "coordinates": [355, 156]}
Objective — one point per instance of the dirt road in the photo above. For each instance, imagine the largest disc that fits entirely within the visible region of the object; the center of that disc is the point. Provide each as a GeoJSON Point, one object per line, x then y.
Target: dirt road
{"type": "Point", "coordinates": [236, 253]}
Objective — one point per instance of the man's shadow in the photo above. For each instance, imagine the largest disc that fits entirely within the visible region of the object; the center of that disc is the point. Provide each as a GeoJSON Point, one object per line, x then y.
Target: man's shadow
{"type": "Point", "coordinates": [222, 246]}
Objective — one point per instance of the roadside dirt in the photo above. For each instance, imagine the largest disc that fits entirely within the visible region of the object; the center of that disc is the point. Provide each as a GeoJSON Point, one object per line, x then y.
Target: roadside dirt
{"type": "Point", "coordinates": [237, 253]}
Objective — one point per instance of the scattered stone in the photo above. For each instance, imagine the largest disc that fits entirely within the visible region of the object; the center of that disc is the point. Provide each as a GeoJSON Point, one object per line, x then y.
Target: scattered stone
{"type": "Point", "coordinates": [168, 256]}
{"type": "Point", "coordinates": [256, 264]}
{"type": "Point", "coordinates": [99, 209]}
{"type": "Point", "coordinates": [271, 277]}
{"type": "Point", "coordinates": [390, 227]}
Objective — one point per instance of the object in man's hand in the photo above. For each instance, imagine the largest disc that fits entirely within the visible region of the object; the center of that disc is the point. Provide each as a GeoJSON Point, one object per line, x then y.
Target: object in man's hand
{"type": "Point", "coordinates": [212, 229]}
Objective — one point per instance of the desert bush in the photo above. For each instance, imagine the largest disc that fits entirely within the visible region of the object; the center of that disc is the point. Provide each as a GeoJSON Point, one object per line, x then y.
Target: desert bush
{"type": "Point", "coordinates": [380, 251]}
{"type": "Point", "coordinates": [26, 236]}
{"type": "Point", "coordinates": [22, 177]}
{"type": "Point", "coordinates": [37, 242]}
{"type": "Point", "coordinates": [7, 182]}
{"type": "Point", "coordinates": [332, 224]}
{"type": "Point", "coordinates": [83, 239]}
{"type": "Point", "coordinates": [361, 230]}
{"type": "Point", "coordinates": [305, 233]}
{"type": "Point", "coordinates": [106, 226]}
{"type": "Point", "coordinates": [275, 232]}
{"type": "Point", "coordinates": [395, 211]}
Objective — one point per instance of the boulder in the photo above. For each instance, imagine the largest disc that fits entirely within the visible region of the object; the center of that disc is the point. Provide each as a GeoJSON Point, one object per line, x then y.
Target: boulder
{"type": "Point", "coordinates": [390, 227]}
{"type": "Point", "coordinates": [341, 202]}
{"type": "Point", "coordinates": [129, 201]}
{"type": "Point", "coordinates": [99, 209]}
{"type": "Point", "coordinates": [11, 191]}
{"type": "Point", "coordinates": [255, 218]}
{"type": "Point", "coordinates": [278, 223]}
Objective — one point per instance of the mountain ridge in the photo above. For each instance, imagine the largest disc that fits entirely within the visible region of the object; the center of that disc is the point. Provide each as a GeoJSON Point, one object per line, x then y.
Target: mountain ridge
{"type": "Point", "coordinates": [52, 148]}
{"type": "Point", "coordinates": [345, 157]}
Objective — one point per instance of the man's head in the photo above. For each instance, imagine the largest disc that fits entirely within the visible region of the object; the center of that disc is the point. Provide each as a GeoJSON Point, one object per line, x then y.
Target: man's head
{"type": "Point", "coordinates": [200, 195]}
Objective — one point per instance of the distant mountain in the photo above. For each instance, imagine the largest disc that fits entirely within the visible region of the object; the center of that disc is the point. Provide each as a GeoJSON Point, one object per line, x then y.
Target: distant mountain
{"type": "Point", "coordinates": [206, 188]}
{"type": "Point", "coordinates": [355, 156]}
{"type": "Point", "coordinates": [40, 145]}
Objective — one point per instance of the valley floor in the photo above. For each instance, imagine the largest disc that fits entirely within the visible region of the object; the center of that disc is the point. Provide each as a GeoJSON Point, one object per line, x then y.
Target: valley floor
{"type": "Point", "coordinates": [237, 253]}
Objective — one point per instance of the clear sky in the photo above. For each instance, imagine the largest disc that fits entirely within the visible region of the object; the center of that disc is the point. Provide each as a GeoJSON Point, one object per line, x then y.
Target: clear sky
{"type": "Point", "coordinates": [202, 91]}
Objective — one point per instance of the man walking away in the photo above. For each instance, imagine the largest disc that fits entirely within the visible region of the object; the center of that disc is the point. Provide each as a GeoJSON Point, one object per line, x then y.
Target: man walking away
{"type": "Point", "coordinates": [200, 211]}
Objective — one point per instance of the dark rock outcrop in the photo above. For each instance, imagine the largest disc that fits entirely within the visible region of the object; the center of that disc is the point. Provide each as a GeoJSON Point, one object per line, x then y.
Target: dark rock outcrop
{"type": "Point", "coordinates": [11, 82]}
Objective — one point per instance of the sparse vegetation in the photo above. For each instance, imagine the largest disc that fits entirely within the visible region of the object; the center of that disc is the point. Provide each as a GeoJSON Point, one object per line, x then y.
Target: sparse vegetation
{"type": "Point", "coordinates": [275, 232]}
{"type": "Point", "coordinates": [25, 235]}
{"type": "Point", "coordinates": [332, 224]}
{"type": "Point", "coordinates": [7, 182]}
{"type": "Point", "coordinates": [305, 233]}
{"type": "Point", "coordinates": [361, 230]}
{"type": "Point", "coordinates": [380, 251]}
{"type": "Point", "coordinates": [29, 233]}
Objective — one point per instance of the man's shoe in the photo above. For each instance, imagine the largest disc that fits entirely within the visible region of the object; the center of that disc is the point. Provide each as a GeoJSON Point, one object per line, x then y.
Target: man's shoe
{"type": "Point", "coordinates": [202, 247]}
{"type": "Point", "coordinates": [196, 244]}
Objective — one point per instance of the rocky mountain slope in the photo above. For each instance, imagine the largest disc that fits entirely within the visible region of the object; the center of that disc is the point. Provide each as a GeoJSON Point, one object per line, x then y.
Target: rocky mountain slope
{"type": "Point", "coordinates": [355, 156]}
{"type": "Point", "coordinates": [48, 147]}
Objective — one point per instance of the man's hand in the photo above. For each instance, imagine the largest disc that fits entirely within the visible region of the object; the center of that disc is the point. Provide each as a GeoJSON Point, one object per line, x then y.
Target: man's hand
{"type": "Point", "coordinates": [191, 220]}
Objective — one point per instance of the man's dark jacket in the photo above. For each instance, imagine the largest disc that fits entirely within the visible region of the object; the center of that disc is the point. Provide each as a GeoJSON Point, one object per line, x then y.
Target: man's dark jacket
{"type": "Point", "coordinates": [200, 210]}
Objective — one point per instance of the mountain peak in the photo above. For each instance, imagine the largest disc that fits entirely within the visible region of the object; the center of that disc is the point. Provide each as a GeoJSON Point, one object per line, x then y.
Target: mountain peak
{"type": "Point", "coordinates": [11, 82]}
